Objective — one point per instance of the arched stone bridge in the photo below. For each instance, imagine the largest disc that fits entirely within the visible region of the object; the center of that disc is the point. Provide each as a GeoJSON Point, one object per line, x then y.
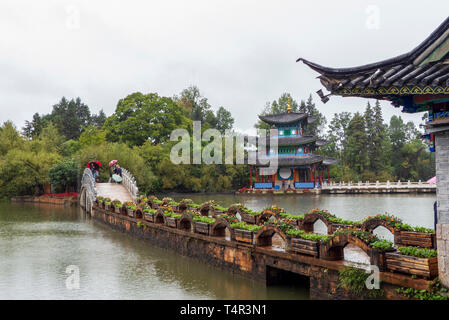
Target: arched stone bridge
{"type": "Point", "coordinates": [125, 191]}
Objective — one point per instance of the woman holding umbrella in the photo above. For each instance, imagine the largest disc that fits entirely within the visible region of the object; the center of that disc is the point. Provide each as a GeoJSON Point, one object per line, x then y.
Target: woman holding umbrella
{"type": "Point", "coordinates": [94, 166]}
{"type": "Point", "coordinates": [111, 170]}
{"type": "Point", "coordinates": [116, 173]}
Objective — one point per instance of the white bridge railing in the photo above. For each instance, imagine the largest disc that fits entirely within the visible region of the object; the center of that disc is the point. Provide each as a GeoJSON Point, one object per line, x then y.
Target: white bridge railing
{"type": "Point", "coordinates": [88, 190]}
{"type": "Point", "coordinates": [373, 185]}
{"type": "Point", "coordinates": [130, 183]}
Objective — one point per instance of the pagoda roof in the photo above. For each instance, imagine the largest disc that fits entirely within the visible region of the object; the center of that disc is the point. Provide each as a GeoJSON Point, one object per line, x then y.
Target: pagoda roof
{"type": "Point", "coordinates": [293, 141]}
{"type": "Point", "coordinates": [298, 160]}
{"type": "Point", "coordinates": [286, 118]}
{"type": "Point", "coordinates": [423, 70]}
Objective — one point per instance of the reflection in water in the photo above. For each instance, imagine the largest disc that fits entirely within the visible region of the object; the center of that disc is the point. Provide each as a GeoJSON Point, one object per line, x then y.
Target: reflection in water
{"type": "Point", "coordinates": [38, 243]}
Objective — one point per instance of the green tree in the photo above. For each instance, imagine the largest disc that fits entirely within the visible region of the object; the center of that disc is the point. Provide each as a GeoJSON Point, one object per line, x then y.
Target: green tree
{"type": "Point", "coordinates": [315, 128]}
{"type": "Point", "coordinates": [64, 175]}
{"type": "Point", "coordinates": [355, 145]}
{"type": "Point", "coordinates": [97, 120]}
{"type": "Point", "coordinates": [336, 134]}
{"type": "Point", "coordinates": [25, 172]}
{"type": "Point", "coordinates": [9, 138]}
{"type": "Point", "coordinates": [33, 128]}
{"type": "Point", "coordinates": [70, 117]}
{"type": "Point", "coordinates": [225, 121]}
{"type": "Point", "coordinates": [92, 136]}
{"type": "Point", "coordinates": [277, 106]}
{"type": "Point", "coordinates": [142, 117]}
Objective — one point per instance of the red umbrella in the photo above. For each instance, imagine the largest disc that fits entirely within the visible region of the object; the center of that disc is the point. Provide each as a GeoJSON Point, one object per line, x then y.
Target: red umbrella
{"type": "Point", "coordinates": [96, 164]}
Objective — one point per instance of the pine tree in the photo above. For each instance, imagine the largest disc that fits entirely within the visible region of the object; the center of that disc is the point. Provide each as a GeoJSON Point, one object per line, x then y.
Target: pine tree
{"type": "Point", "coordinates": [356, 156]}
{"type": "Point", "coordinates": [315, 128]}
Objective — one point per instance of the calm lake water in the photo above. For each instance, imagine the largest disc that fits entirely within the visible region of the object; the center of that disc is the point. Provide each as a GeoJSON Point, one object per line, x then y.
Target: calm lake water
{"type": "Point", "coordinates": [39, 242]}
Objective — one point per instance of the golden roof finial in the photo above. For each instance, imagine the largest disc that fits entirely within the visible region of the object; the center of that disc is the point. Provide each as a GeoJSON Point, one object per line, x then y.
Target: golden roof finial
{"type": "Point", "coordinates": [289, 107]}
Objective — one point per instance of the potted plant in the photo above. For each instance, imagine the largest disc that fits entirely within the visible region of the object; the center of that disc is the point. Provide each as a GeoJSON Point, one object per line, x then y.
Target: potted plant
{"type": "Point", "coordinates": [148, 214]}
{"type": "Point", "coordinates": [249, 216]}
{"type": "Point", "coordinates": [107, 203]}
{"type": "Point", "coordinates": [202, 224]}
{"type": "Point", "coordinates": [131, 208]}
{"type": "Point", "coordinates": [117, 206]}
{"type": "Point", "coordinates": [294, 220]}
{"type": "Point", "coordinates": [413, 260]}
{"type": "Point", "coordinates": [174, 205]}
{"type": "Point", "coordinates": [219, 209]}
{"type": "Point", "coordinates": [299, 241]}
{"type": "Point", "coordinates": [166, 201]}
{"type": "Point", "coordinates": [184, 204]}
{"type": "Point", "coordinates": [404, 234]}
{"type": "Point", "coordinates": [172, 219]}
{"type": "Point", "coordinates": [99, 200]}
{"type": "Point", "coordinates": [244, 232]}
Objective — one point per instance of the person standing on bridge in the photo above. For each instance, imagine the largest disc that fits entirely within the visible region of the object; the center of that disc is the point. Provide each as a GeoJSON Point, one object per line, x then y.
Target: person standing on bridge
{"type": "Point", "coordinates": [94, 166]}
{"type": "Point", "coordinates": [118, 171]}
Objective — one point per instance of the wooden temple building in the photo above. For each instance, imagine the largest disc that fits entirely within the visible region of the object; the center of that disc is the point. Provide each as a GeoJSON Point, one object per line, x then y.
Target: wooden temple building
{"type": "Point", "coordinates": [297, 166]}
{"type": "Point", "coordinates": [417, 81]}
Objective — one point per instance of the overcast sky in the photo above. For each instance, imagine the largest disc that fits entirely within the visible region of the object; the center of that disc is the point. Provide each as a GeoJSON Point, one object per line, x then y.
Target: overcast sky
{"type": "Point", "coordinates": [240, 54]}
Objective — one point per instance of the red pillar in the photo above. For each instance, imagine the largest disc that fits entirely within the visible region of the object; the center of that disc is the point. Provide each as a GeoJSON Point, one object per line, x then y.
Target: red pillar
{"type": "Point", "coordinates": [250, 177]}
{"type": "Point", "coordinates": [257, 174]}
{"type": "Point", "coordinates": [273, 180]}
{"type": "Point", "coordinates": [314, 176]}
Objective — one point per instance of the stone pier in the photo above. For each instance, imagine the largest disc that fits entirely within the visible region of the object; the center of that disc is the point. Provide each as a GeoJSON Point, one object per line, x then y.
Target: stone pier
{"type": "Point", "coordinates": [442, 232]}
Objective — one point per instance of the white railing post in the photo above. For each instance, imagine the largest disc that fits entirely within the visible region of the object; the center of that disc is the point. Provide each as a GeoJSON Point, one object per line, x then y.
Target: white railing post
{"type": "Point", "coordinates": [88, 182]}
{"type": "Point", "coordinates": [130, 183]}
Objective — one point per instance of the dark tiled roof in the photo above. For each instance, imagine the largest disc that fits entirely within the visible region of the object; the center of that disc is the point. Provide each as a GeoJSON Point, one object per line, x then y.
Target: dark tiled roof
{"type": "Point", "coordinates": [329, 161]}
{"type": "Point", "coordinates": [283, 118]}
{"type": "Point", "coordinates": [322, 142]}
{"type": "Point", "coordinates": [423, 70]}
{"type": "Point", "coordinates": [293, 141]}
{"type": "Point", "coordinates": [287, 161]}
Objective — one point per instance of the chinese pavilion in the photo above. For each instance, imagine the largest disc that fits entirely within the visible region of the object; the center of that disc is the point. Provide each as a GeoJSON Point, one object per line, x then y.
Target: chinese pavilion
{"type": "Point", "coordinates": [416, 81]}
{"type": "Point", "coordinates": [297, 166]}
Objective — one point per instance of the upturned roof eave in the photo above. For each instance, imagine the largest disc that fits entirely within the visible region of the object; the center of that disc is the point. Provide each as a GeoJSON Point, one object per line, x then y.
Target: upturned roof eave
{"type": "Point", "coordinates": [408, 57]}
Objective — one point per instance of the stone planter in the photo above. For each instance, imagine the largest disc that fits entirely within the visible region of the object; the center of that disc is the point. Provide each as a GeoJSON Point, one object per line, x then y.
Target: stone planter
{"type": "Point", "coordinates": [148, 216]}
{"type": "Point", "coordinates": [302, 246]}
{"type": "Point", "coordinates": [118, 210]}
{"type": "Point", "coordinates": [249, 218]}
{"type": "Point", "coordinates": [107, 207]}
{"type": "Point", "coordinates": [131, 213]}
{"type": "Point", "coordinates": [171, 222]}
{"type": "Point", "coordinates": [243, 236]}
{"type": "Point", "coordinates": [424, 267]}
{"type": "Point", "coordinates": [411, 238]}
{"type": "Point", "coordinates": [201, 227]}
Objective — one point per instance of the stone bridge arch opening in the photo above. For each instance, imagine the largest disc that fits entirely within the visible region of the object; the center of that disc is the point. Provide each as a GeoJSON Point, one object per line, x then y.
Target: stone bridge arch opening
{"type": "Point", "coordinates": [221, 228]}
{"type": "Point", "coordinates": [356, 249]}
{"type": "Point", "coordinates": [270, 236]}
{"type": "Point", "coordinates": [266, 216]}
{"type": "Point", "coordinates": [316, 223]}
{"type": "Point", "coordinates": [380, 228]}
{"type": "Point", "coordinates": [159, 217]}
{"type": "Point", "coordinates": [206, 210]}
{"type": "Point", "coordinates": [186, 222]}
